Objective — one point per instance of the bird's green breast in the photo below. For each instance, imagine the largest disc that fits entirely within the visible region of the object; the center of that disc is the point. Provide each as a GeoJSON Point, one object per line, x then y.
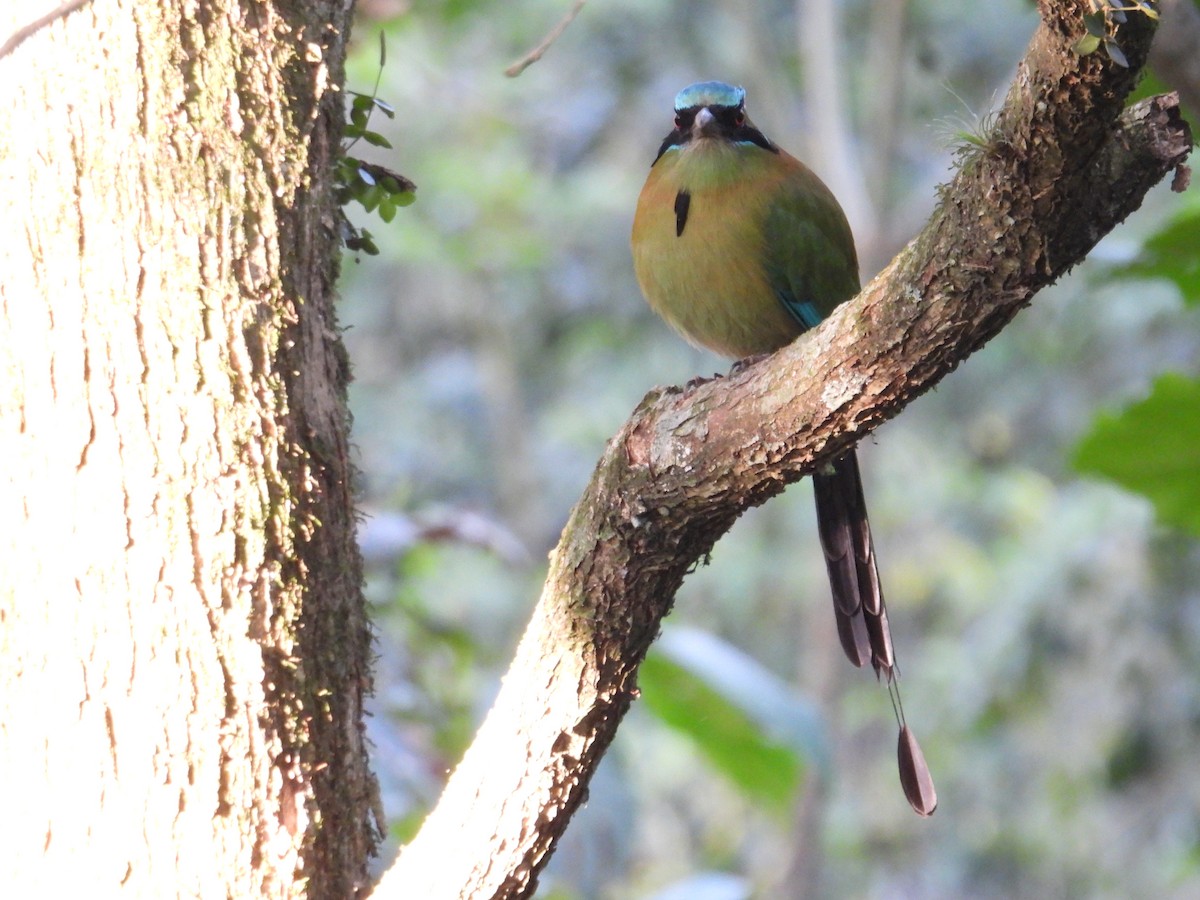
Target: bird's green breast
{"type": "Point", "coordinates": [757, 226]}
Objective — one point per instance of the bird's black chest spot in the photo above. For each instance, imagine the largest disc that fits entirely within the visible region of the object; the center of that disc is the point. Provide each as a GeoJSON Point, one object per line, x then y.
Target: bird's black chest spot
{"type": "Point", "coordinates": [683, 202]}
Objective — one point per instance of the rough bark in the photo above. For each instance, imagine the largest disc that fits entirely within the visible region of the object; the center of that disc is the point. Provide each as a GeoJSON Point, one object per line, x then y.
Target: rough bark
{"type": "Point", "coordinates": [183, 648]}
{"type": "Point", "coordinates": [1061, 167]}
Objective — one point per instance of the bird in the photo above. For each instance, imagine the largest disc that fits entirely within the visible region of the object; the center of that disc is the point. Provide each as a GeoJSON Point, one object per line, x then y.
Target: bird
{"type": "Point", "coordinates": [741, 248]}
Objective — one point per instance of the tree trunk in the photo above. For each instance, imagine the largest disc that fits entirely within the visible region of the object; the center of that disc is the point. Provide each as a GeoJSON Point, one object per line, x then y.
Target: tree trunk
{"type": "Point", "coordinates": [183, 646]}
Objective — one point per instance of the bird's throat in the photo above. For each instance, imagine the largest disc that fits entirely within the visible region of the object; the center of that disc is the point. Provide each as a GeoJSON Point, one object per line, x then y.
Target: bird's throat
{"type": "Point", "coordinates": [708, 163]}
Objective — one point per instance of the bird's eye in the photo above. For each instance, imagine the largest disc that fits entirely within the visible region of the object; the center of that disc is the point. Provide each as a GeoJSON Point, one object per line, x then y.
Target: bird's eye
{"type": "Point", "coordinates": [739, 118]}
{"type": "Point", "coordinates": [679, 121]}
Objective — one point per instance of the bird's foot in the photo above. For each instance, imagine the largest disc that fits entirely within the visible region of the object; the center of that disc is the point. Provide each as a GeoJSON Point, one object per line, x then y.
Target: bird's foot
{"type": "Point", "coordinates": [743, 364]}
{"type": "Point", "coordinates": [699, 380]}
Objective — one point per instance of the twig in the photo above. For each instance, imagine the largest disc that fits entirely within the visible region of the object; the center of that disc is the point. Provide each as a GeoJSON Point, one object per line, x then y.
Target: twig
{"type": "Point", "coordinates": [18, 37]}
{"type": "Point", "coordinates": [539, 51]}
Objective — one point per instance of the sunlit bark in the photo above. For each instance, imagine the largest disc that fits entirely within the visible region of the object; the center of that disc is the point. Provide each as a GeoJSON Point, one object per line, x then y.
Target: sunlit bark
{"type": "Point", "coordinates": [183, 653]}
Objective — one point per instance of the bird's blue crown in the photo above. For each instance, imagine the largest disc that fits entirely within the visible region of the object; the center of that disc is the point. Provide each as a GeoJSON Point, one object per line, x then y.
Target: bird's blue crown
{"type": "Point", "coordinates": [710, 93]}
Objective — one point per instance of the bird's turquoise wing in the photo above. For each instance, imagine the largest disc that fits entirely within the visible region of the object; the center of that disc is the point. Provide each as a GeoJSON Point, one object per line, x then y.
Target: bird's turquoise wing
{"type": "Point", "coordinates": [810, 258]}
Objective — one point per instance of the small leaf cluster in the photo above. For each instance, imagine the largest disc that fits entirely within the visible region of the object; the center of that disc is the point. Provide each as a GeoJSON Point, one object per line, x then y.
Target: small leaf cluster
{"type": "Point", "coordinates": [1102, 24]}
{"type": "Point", "coordinates": [375, 187]}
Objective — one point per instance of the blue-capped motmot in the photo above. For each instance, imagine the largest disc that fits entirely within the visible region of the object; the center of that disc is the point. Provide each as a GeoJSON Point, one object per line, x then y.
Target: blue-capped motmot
{"type": "Point", "coordinates": [741, 248]}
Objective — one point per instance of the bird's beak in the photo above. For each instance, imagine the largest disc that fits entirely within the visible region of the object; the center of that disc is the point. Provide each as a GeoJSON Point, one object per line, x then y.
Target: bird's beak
{"type": "Point", "coordinates": [702, 126]}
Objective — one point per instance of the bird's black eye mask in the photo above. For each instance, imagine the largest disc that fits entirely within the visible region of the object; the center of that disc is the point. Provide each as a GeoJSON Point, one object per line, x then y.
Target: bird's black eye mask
{"type": "Point", "coordinates": [731, 122]}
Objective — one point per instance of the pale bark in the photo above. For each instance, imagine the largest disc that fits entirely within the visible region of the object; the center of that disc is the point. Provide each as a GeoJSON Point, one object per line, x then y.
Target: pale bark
{"type": "Point", "coordinates": [1061, 168]}
{"type": "Point", "coordinates": [183, 652]}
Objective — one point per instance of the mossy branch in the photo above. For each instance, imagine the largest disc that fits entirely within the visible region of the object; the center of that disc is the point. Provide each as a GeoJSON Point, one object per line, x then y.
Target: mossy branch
{"type": "Point", "coordinates": [1064, 164]}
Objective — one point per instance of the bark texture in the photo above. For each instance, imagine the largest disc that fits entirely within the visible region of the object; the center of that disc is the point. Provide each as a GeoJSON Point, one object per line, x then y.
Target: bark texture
{"type": "Point", "coordinates": [183, 648]}
{"type": "Point", "coordinates": [1062, 166]}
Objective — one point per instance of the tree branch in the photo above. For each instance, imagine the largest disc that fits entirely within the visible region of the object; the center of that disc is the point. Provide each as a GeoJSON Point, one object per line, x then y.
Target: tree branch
{"type": "Point", "coordinates": [1063, 165]}
{"type": "Point", "coordinates": [23, 34]}
{"type": "Point", "coordinates": [540, 50]}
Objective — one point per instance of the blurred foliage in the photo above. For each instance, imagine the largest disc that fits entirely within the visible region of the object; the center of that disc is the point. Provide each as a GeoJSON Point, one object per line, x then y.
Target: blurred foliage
{"type": "Point", "coordinates": [1153, 447]}
{"type": "Point", "coordinates": [1047, 628]}
{"type": "Point", "coordinates": [744, 719]}
{"type": "Point", "coordinates": [1172, 253]}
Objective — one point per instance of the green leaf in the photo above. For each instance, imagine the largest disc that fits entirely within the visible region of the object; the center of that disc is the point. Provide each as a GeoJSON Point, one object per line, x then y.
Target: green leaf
{"type": "Point", "coordinates": [1095, 24]}
{"type": "Point", "coordinates": [1147, 8]}
{"type": "Point", "coordinates": [1152, 447]}
{"type": "Point", "coordinates": [367, 243]}
{"type": "Point", "coordinates": [371, 197]}
{"type": "Point", "coordinates": [377, 140]}
{"type": "Point", "coordinates": [1172, 253]}
{"type": "Point", "coordinates": [387, 209]}
{"type": "Point", "coordinates": [1115, 53]}
{"type": "Point", "coordinates": [747, 722]}
{"type": "Point", "coordinates": [360, 241]}
{"type": "Point", "coordinates": [1085, 45]}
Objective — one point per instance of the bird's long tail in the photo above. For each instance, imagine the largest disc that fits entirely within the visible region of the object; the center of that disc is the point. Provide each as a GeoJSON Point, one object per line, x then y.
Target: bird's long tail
{"type": "Point", "coordinates": [858, 606]}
